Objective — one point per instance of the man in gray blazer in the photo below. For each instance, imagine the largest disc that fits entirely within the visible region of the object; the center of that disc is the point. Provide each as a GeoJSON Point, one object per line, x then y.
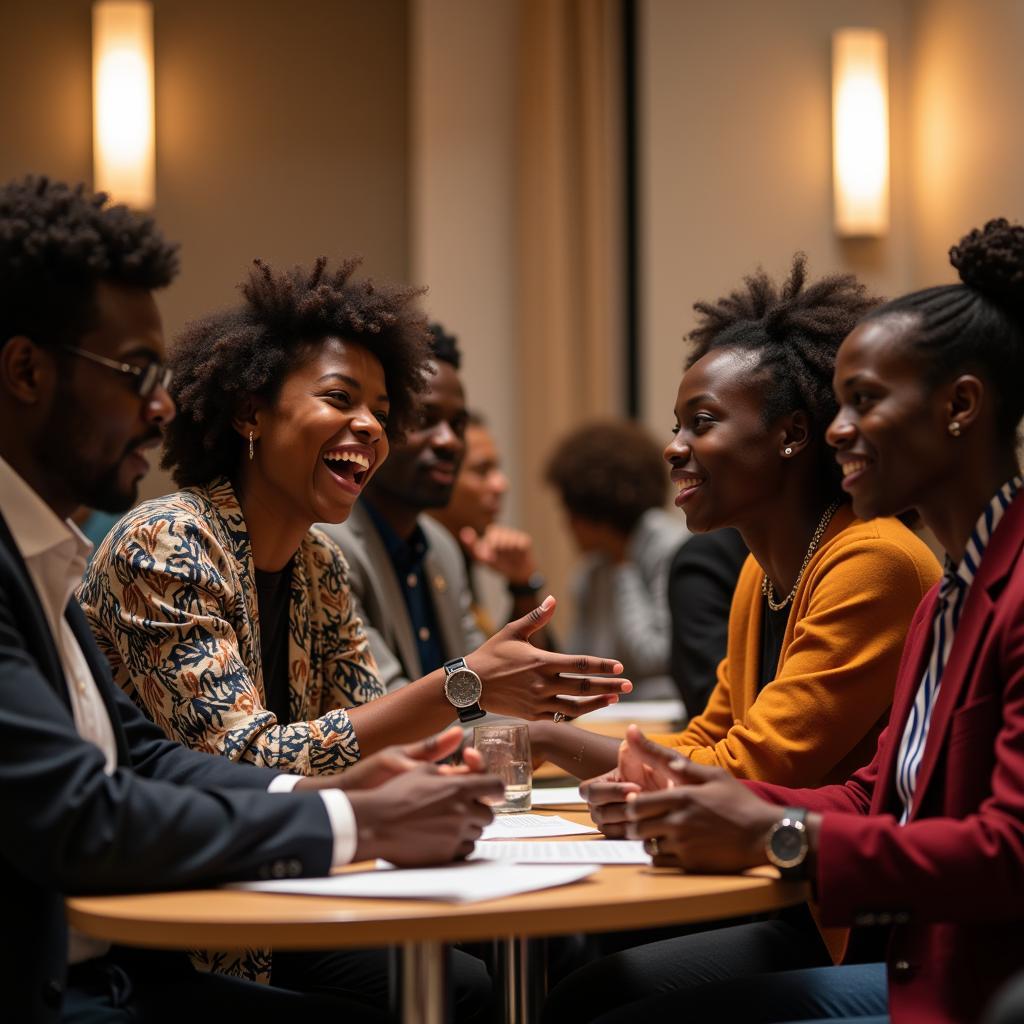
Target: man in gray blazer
{"type": "Point", "coordinates": [405, 569]}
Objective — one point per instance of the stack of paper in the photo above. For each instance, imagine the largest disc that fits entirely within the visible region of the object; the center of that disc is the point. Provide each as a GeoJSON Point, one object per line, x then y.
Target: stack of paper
{"type": "Point", "coordinates": [608, 851]}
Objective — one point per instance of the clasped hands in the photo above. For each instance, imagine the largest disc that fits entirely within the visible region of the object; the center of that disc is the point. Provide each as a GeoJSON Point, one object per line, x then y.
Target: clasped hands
{"type": "Point", "coordinates": [689, 815]}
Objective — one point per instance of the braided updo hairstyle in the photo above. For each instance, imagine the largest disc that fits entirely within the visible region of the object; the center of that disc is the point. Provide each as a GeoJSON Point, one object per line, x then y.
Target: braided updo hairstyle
{"type": "Point", "coordinates": [795, 331]}
{"type": "Point", "coordinates": [249, 350]}
{"type": "Point", "coordinates": [978, 325]}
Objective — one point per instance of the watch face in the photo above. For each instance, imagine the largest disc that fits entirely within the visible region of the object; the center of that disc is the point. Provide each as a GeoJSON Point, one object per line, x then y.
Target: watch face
{"type": "Point", "coordinates": [463, 688]}
{"type": "Point", "coordinates": [788, 844]}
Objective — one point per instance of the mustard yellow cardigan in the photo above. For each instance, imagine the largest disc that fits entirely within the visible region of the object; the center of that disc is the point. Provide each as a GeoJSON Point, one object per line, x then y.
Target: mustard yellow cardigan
{"type": "Point", "coordinates": [819, 719]}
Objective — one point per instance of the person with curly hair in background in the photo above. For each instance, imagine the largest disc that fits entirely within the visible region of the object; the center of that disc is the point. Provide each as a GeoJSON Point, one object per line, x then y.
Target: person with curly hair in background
{"type": "Point", "coordinates": [222, 612]}
{"type": "Point", "coordinates": [611, 481]}
{"type": "Point", "coordinates": [817, 623]}
{"type": "Point", "coordinates": [922, 850]}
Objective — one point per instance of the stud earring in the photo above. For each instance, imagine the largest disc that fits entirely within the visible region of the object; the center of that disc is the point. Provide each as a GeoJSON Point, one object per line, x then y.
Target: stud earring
{"type": "Point", "coordinates": [252, 450]}
{"type": "Point", "coordinates": [954, 427]}
{"type": "Point", "coordinates": [787, 450]}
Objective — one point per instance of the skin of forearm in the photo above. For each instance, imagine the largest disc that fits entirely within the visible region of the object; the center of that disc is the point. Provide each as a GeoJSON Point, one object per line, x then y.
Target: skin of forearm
{"type": "Point", "coordinates": [577, 751]}
{"type": "Point", "coordinates": [408, 714]}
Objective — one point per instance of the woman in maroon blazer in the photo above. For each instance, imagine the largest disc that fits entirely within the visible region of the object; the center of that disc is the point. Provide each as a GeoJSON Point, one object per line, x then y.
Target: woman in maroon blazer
{"type": "Point", "coordinates": [922, 851]}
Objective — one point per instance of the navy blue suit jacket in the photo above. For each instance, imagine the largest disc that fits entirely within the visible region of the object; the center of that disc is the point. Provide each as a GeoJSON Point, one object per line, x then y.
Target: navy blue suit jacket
{"type": "Point", "coordinates": [167, 817]}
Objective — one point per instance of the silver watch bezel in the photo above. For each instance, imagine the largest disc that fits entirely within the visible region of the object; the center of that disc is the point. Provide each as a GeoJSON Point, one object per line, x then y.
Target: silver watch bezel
{"type": "Point", "coordinates": [455, 676]}
{"type": "Point", "coordinates": [789, 823]}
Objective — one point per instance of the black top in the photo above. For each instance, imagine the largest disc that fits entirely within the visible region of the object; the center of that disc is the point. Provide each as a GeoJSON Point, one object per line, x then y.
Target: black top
{"type": "Point", "coordinates": [701, 582]}
{"type": "Point", "coordinates": [773, 628]}
{"type": "Point", "coordinates": [273, 595]}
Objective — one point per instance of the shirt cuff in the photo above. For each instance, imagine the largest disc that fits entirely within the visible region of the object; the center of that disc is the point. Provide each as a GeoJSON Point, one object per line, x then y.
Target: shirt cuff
{"type": "Point", "coordinates": [283, 783]}
{"type": "Point", "coordinates": [343, 825]}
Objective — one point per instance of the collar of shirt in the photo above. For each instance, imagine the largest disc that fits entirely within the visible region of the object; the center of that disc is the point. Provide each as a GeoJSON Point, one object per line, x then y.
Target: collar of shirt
{"type": "Point", "coordinates": [55, 550]}
{"type": "Point", "coordinates": [405, 554]}
{"type": "Point", "coordinates": [961, 576]}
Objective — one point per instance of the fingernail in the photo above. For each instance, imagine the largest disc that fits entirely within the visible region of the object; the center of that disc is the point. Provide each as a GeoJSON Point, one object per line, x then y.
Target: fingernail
{"type": "Point", "coordinates": [630, 797]}
{"type": "Point", "coordinates": [546, 603]}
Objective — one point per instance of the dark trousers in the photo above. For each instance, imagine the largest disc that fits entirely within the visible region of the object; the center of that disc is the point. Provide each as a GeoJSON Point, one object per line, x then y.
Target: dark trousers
{"type": "Point", "coordinates": [854, 994]}
{"type": "Point", "coordinates": [679, 965]}
{"type": "Point", "coordinates": [140, 987]}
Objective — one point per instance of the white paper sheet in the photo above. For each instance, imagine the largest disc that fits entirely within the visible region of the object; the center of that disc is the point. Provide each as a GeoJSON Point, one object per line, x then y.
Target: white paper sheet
{"type": "Point", "coordinates": [607, 851]}
{"type": "Point", "coordinates": [640, 711]}
{"type": "Point", "coordinates": [557, 796]}
{"type": "Point", "coordinates": [533, 826]}
{"type": "Point", "coordinates": [452, 883]}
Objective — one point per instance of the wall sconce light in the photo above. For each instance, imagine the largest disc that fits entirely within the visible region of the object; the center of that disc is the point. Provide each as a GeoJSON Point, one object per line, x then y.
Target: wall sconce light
{"type": "Point", "coordinates": [860, 132]}
{"type": "Point", "coordinates": [124, 137]}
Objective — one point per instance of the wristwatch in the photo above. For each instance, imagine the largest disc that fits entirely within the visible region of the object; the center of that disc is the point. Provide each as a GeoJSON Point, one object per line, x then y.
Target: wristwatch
{"type": "Point", "coordinates": [786, 845]}
{"type": "Point", "coordinates": [462, 687]}
{"type": "Point", "coordinates": [529, 588]}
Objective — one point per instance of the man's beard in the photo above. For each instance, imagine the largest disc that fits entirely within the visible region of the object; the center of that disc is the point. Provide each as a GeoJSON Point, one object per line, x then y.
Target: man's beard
{"type": "Point", "coordinates": [96, 486]}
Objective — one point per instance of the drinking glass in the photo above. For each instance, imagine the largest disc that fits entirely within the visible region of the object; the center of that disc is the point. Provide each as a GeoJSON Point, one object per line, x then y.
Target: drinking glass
{"type": "Point", "coordinates": [505, 750]}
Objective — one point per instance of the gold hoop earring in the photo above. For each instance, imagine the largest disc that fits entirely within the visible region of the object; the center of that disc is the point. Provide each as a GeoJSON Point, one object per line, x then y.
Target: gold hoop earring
{"type": "Point", "coordinates": [954, 427]}
{"type": "Point", "coordinates": [252, 450]}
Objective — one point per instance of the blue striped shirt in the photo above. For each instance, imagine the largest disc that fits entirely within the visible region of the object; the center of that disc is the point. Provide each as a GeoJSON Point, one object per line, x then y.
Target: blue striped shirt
{"type": "Point", "coordinates": [956, 581]}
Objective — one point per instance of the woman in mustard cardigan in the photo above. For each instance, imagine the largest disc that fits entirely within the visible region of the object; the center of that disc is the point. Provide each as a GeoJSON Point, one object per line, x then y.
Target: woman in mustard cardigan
{"type": "Point", "coordinates": [823, 602]}
{"type": "Point", "coordinates": [818, 619]}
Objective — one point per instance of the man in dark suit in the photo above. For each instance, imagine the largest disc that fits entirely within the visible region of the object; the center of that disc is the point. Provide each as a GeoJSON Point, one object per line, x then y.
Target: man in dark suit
{"type": "Point", "coordinates": [94, 798]}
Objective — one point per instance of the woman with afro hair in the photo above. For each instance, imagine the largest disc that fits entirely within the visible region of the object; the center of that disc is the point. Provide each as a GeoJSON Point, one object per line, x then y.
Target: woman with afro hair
{"type": "Point", "coordinates": [222, 611]}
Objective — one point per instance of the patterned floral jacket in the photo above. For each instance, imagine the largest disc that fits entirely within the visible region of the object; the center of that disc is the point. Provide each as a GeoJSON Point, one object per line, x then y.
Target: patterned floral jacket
{"type": "Point", "coordinates": [171, 598]}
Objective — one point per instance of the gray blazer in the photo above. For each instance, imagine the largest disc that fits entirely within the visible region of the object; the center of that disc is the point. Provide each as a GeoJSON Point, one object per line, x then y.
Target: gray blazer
{"type": "Point", "coordinates": [380, 603]}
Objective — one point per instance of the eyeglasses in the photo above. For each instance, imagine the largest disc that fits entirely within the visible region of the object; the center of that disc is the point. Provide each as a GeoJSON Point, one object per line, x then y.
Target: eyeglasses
{"type": "Point", "coordinates": [147, 378]}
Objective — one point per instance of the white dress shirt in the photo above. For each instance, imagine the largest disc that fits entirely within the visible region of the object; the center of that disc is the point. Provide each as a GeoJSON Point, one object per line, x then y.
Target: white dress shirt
{"type": "Point", "coordinates": [55, 554]}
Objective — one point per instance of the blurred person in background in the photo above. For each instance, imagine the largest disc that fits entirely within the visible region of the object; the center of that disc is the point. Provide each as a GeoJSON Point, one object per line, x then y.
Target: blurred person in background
{"type": "Point", "coordinates": [471, 516]}
{"type": "Point", "coordinates": [612, 483]}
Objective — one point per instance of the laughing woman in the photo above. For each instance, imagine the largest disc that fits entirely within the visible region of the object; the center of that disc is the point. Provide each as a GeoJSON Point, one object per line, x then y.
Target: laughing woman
{"type": "Point", "coordinates": [222, 612]}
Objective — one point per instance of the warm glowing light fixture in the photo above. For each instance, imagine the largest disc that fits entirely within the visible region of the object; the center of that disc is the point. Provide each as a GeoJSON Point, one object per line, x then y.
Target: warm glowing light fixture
{"type": "Point", "coordinates": [860, 132]}
{"type": "Point", "coordinates": [124, 144]}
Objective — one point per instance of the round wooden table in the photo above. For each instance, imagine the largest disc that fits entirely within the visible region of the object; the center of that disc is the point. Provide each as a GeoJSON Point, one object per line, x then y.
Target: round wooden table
{"type": "Point", "coordinates": [616, 897]}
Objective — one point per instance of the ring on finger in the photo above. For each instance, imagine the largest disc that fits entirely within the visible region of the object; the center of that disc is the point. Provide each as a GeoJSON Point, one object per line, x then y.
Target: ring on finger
{"type": "Point", "coordinates": [652, 846]}
{"type": "Point", "coordinates": [559, 716]}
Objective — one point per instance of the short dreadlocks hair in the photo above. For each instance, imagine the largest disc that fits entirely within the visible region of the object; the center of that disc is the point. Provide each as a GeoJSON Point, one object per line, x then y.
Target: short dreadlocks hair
{"type": "Point", "coordinates": [57, 242]}
{"type": "Point", "coordinates": [794, 331]}
{"type": "Point", "coordinates": [249, 350]}
{"type": "Point", "coordinates": [444, 346]}
{"type": "Point", "coordinates": [609, 471]}
{"type": "Point", "coordinates": [976, 326]}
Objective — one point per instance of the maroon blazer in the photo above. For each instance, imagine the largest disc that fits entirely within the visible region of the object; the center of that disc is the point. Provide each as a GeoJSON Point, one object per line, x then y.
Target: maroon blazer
{"type": "Point", "coordinates": [948, 885]}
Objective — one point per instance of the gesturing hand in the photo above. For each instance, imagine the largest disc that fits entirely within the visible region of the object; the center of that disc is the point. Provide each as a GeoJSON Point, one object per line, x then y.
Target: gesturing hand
{"type": "Point", "coordinates": [424, 816]}
{"type": "Point", "coordinates": [708, 822]}
{"type": "Point", "coordinates": [526, 682]}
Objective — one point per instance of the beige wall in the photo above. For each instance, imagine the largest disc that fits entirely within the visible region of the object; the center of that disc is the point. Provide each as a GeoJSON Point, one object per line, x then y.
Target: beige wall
{"type": "Point", "coordinates": [968, 143]}
{"type": "Point", "coordinates": [463, 196]}
{"type": "Point", "coordinates": [282, 130]}
{"type": "Point", "coordinates": [736, 159]}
